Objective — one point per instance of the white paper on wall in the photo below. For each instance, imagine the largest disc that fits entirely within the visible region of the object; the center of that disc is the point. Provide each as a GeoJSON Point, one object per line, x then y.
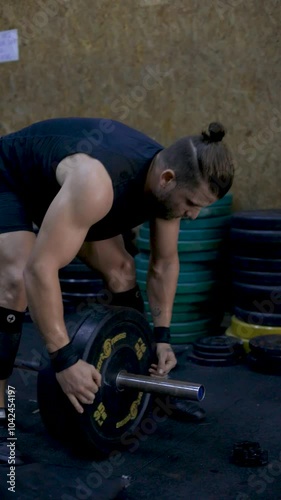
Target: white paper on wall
{"type": "Point", "coordinates": [9, 47]}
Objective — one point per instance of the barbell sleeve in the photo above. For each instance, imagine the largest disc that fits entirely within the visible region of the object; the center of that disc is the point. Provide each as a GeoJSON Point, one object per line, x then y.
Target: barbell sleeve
{"type": "Point", "coordinates": [170, 387]}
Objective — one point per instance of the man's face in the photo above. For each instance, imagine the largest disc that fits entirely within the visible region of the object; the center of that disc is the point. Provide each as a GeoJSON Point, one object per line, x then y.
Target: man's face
{"type": "Point", "coordinates": [179, 202]}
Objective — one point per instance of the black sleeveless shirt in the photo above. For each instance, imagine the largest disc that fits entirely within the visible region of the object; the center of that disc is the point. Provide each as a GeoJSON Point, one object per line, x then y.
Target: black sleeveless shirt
{"type": "Point", "coordinates": [31, 155]}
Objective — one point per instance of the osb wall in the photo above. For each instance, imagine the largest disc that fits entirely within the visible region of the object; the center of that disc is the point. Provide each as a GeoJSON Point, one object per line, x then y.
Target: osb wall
{"type": "Point", "coordinates": [167, 67]}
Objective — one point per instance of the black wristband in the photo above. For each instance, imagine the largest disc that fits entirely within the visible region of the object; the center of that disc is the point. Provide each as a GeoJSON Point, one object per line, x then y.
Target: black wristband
{"type": "Point", "coordinates": [162, 334]}
{"type": "Point", "coordinates": [64, 358]}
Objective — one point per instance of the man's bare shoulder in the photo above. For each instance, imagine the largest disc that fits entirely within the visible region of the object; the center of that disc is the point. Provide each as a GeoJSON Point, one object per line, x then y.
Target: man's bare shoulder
{"type": "Point", "coordinates": [81, 165]}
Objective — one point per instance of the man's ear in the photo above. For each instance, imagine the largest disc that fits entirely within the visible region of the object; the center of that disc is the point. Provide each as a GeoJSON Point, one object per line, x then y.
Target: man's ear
{"type": "Point", "coordinates": [168, 179]}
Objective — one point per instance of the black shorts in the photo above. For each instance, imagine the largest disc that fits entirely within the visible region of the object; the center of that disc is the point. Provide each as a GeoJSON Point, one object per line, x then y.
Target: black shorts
{"type": "Point", "coordinates": [14, 214]}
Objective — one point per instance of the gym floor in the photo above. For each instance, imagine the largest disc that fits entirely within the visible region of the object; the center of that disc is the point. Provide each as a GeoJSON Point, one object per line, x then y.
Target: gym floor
{"type": "Point", "coordinates": [170, 459]}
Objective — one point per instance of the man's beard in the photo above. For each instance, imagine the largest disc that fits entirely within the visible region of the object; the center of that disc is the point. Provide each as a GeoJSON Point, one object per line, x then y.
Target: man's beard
{"type": "Point", "coordinates": [160, 207]}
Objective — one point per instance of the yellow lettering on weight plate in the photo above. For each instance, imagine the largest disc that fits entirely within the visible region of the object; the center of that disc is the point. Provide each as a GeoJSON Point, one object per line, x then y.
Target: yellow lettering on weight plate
{"type": "Point", "coordinates": [100, 414]}
{"type": "Point", "coordinates": [107, 348]}
{"type": "Point", "coordinates": [140, 348]}
{"type": "Point", "coordinates": [133, 413]}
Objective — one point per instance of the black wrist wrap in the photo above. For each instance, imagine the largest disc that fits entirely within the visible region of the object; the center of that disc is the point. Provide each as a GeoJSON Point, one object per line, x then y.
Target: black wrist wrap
{"type": "Point", "coordinates": [64, 358]}
{"type": "Point", "coordinates": [162, 334]}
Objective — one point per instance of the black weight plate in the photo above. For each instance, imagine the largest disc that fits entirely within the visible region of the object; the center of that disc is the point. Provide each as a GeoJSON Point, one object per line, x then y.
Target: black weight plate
{"type": "Point", "coordinates": [263, 366]}
{"type": "Point", "coordinates": [76, 269]}
{"type": "Point", "coordinates": [251, 236]}
{"type": "Point", "coordinates": [81, 285]}
{"type": "Point", "coordinates": [232, 360]}
{"type": "Point", "coordinates": [258, 318]}
{"type": "Point", "coordinates": [268, 344]}
{"type": "Point", "coordinates": [214, 355]}
{"type": "Point", "coordinates": [103, 298]}
{"type": "Point", "coordinates": [262, 250]}
{"type": "Point", "coordinates": [255, 264]}
{"type": "Point", "coordinates": [111, 339]}
{"type": "Point", "coordinates": [257, 219]}
{"type": "Point", "coordinates": [266, 357]}
{"type": "Point", "coordinates": [258, 278]}
{"type": "Point", "coordinates": [257, 298]}
{"type": "Point", "coordinates": [217, 344]}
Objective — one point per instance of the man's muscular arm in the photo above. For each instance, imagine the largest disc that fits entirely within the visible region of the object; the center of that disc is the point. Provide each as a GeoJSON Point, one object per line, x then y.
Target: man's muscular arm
{"type": "Point", "coordinates": [85, 197]}
{"type": "Point", "coordinates": [162, 283]}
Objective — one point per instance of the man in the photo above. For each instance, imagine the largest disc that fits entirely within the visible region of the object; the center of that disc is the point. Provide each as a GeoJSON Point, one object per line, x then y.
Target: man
{"type": "Point", "coordinates": [84, 182]}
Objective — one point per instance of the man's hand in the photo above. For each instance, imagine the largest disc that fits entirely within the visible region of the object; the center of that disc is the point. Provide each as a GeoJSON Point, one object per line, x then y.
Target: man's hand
{"type": "Point", "coordinates": [166, 360]}
{"type": "Point", "coordinates": [80, 382]}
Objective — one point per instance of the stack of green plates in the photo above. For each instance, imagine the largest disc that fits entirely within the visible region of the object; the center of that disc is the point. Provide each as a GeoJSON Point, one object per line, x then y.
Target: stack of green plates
{"type": "Point", "coordinates": [199, 303]}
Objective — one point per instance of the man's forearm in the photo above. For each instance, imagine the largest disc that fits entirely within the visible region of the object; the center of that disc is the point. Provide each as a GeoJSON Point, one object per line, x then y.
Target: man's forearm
{"type": "Point", "coordinates": [46, 308]}
{"type": "Point", "coordinates": [161, 288]}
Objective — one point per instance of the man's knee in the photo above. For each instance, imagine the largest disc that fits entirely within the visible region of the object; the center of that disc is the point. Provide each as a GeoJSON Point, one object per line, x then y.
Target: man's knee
{"type": "Point", "coordinates": [12, 286]}
{"type": "Point", "coordinates": [122, 275]}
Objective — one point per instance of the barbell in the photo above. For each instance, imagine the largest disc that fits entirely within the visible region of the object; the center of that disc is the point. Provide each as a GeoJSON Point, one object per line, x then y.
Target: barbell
{"type": "Point", "coordinates": [117, 341]}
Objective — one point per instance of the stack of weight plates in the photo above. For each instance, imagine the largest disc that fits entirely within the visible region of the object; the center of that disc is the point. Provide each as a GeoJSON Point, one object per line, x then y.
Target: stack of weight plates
{"type": "Point", "coordinates": [80, 286]}
{"type": "Point", "coordinates": [256, 273]}
{"type": "Point", "coordinates": [216, 351]}
{"type": "Point", "coordinates": [199, 301]}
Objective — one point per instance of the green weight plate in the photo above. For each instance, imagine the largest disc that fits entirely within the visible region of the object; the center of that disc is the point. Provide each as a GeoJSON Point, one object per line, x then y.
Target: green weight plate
{"type": "Point", "coordinates": [191, 327]}
{"type": "Point", "coordinates": [227, 199]}
{"type": "Point", "coordinates": [190, 235]}
{"type": "Point", "coordinates": [179, 308]}
{"type": "Point", "coordinates": [201, 223]}
{"type": "Point", "coordinates": [211, 255]}
{"type": "Point", "coordinates": [186, 278]}
{"type": "Point", "coordinates": [189, 298]}
{"type": "Point", "coordinates": [183, 317]}
{"type": "Point", "coordinates": [184, 246]}
{"type": "Point", "coordinates": [213, 211]}
{"type": "Point", "coordinates": [184, 288]}
{"type": "Point", "coordinates": [206, 224]}
{"type": "Point", "coordinates": [142, 261]}
{"type": "Point", "coordinates": [190, 257]}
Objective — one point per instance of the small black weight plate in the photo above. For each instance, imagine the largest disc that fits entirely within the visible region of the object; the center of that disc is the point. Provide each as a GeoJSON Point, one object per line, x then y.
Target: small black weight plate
{"type": "Point", "coordinates": [248, 454]}
{"type": "Point", "coordinates": [257, 219]}
{"type": "Point", "coordinates": [258, 318]}
{"type": "Point", "coordinates": [253, 277]}
{"type": "Point", "coordinates": [217, 344]}
{"type": "Point", "coordinates": [268, 344]}
{"type": "Point", "coordinates": [259, 364]}
{"type": "Point", "coordinates": [216, 355]}
{"type": "Point", "coordinates": [232, 360]}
